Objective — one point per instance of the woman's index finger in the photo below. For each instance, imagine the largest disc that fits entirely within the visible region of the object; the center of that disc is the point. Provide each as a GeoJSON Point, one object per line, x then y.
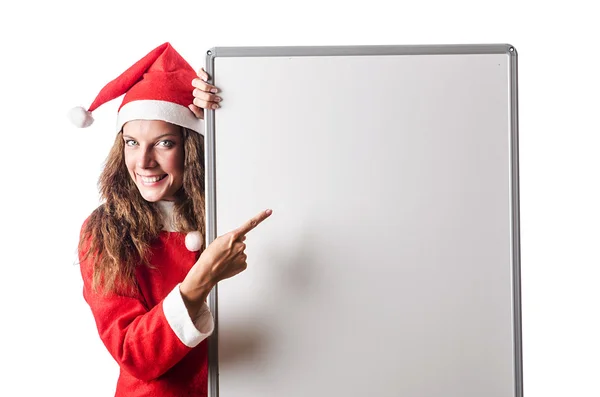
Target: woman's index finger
{"type": "Point", "coordinates": [204, 86]}
{"type": "Point", "coordinates": [203, 74]}
{"type": "Point", "coordinates": [252, 223]}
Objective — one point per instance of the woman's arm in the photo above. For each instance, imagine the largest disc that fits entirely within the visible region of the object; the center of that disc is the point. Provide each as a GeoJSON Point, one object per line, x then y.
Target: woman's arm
{"type": "Point", "coordinates": [145, 342]}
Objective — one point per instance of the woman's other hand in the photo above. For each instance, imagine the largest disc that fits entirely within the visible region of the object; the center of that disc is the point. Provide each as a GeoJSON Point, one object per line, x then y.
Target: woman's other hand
{"type": "Point", "coordinates": [205, 95]}
{"type": "Point", "coordinates": [222, 259]}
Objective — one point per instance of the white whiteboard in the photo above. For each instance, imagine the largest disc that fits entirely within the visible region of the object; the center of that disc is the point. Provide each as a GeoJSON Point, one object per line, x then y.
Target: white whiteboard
{"type": "Point", "coordinates": [390, 265]}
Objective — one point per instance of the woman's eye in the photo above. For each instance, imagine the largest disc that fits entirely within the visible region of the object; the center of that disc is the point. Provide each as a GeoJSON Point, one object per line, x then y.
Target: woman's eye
{"type": "Point", "coordinates": [166, 143]}
{"type": "Point", "coordinates": [130, 142]}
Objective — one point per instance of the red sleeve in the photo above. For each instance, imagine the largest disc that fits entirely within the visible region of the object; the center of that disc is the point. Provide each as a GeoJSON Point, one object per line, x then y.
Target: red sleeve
{"type": "Point", "coordinates": [144, 342]}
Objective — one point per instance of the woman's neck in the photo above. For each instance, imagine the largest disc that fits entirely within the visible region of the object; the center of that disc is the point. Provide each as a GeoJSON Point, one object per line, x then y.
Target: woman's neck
{"type": "Point", "coordinates": [168, 215]}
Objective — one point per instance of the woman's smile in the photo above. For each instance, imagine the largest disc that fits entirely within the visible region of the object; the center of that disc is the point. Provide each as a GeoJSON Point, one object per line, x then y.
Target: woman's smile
{"type": "Point", "coordinates": [151, 180]}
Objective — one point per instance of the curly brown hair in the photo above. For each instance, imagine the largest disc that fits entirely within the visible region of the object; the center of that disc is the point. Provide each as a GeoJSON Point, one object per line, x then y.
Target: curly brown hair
{"type": "Point", "coordinates": [118, 233]}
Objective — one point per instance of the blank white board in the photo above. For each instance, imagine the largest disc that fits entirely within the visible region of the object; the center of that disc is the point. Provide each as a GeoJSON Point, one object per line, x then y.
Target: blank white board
{"type": "Point", "coordinates": [390, 266]}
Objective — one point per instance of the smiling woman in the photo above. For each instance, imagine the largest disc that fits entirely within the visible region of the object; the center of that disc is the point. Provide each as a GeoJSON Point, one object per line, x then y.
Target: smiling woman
{"type": "Point", "coordinates": [154, 157]}
{"type": "Point", "coordinates": [145, 271]}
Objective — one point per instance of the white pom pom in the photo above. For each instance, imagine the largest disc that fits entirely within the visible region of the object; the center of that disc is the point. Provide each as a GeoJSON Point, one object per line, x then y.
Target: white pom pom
{"type": "Point", "coordinates": [193, 241]}
{"type": "Point", "coordinates": [80, 117]}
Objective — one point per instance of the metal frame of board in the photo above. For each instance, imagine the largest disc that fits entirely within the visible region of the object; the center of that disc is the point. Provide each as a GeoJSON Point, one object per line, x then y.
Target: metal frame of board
{"type": "Point", "coordinates": [213, 378]}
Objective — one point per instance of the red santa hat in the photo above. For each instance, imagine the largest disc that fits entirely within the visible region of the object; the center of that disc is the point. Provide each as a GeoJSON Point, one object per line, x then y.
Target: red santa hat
{"type": "Point", "coordinates": [157, 87]}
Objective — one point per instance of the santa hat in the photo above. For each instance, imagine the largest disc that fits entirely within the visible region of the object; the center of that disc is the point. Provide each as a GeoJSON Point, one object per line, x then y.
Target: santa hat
{"type": "Point", "coordinates": [157, 87]}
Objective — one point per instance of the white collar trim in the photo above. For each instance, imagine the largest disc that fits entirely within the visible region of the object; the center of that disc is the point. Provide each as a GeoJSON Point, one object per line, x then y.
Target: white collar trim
{"type": "Point", "coordinates": [168, 215]}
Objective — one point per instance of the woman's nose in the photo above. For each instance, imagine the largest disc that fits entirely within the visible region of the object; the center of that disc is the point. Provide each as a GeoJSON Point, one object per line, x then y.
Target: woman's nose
{"type": "Point", "coordinates": [146, 159]}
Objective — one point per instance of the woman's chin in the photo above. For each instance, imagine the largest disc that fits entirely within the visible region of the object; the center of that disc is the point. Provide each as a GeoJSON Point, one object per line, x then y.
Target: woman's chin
{"type": "Point", "coordinates": [150, 195]}
{"type": "Point", "coordinates": [162, 190]}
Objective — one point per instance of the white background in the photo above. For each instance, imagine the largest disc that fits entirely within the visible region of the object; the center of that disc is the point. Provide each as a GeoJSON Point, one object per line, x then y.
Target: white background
{"type": "Point", "coordinates": [58, 54]}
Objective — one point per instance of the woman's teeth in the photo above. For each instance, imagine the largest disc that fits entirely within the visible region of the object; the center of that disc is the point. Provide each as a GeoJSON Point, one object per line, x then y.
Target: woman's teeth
{"type": "Point", "coordinates": [152, 179]}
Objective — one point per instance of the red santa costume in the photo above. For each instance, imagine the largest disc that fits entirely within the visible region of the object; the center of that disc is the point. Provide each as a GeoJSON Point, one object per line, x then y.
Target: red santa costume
{"type": "Point", "coordinates": [160, 350]}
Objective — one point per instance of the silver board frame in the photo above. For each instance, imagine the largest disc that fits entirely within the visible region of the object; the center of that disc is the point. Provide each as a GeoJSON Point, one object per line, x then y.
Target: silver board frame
{"type": "Point", "coordinates": [315, 51]}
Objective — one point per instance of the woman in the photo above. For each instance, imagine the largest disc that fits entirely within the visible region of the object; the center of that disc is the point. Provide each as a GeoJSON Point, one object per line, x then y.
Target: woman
{"type": "Point", "coordinates": [146, 273]}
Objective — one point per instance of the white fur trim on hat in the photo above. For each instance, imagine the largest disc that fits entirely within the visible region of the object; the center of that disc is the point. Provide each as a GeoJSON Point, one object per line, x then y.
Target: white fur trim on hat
{"type": "Point", "coordinates": [80, 117]}
{"type": "Point", "coordinates": [159, 110]}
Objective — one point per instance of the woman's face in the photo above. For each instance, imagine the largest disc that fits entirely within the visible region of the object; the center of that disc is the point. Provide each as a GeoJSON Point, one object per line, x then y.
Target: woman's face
{"type": "Point", "coordinates": [154, 158]}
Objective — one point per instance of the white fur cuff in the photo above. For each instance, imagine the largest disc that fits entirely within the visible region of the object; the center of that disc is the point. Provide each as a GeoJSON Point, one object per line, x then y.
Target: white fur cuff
{"type": "Point", "coordinates": [189, 332]}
